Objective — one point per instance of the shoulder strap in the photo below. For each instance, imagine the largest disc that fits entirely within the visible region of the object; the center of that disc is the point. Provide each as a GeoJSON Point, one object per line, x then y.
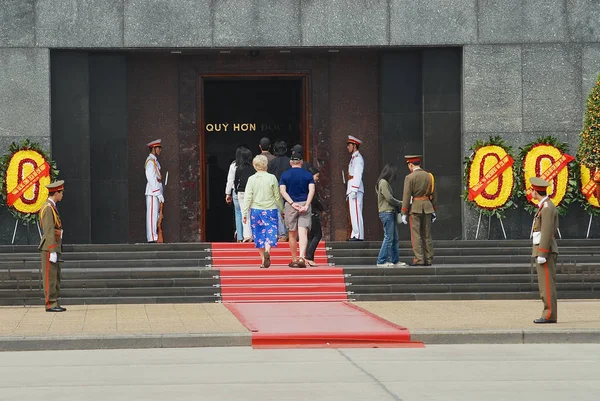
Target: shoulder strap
{"type": "Point", "coordinates": [431, 186]}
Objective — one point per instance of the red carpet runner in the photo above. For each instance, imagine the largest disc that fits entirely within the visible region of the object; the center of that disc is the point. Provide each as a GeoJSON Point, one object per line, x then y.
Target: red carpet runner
{"type": "Point", "coordinates": [293, 308]}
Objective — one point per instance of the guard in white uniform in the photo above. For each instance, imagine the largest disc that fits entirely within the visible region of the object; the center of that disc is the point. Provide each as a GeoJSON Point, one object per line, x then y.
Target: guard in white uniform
{"type": "Point", "coordinates": [355, 189]}
{"type": "Point", "coordinates": [154, 190]}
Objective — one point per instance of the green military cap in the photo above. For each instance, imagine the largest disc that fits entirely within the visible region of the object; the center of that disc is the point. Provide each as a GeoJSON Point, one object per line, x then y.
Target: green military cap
{"type": "Point", "coordinates": [413, 158]}
{"type": "Point", "coordinates": [539, 184]}
{"type": "Point", "coordinates": [56, 186]}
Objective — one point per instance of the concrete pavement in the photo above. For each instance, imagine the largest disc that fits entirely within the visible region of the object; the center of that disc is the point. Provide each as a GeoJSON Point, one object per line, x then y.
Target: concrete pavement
{"type": "Point", "coordinates": [196, 325]}
{"type": "Point", "coordinates": [531, 372]}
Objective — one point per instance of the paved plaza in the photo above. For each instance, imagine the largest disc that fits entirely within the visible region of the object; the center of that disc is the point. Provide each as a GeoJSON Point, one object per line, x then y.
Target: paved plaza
{"type": "Point", "coordinates": [212, 324]}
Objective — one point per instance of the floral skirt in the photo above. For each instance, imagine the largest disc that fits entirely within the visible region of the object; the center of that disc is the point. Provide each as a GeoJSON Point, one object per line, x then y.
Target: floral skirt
{"type": "Point", "coordinates": [264, 226]}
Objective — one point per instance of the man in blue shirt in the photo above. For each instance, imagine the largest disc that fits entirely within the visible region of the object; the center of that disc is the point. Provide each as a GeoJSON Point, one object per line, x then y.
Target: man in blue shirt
{"type": "Point", "coordinates": [297, 187]}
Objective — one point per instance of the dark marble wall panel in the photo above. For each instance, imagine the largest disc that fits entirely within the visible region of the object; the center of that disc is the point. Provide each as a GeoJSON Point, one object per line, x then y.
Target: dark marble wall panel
{"type": "Point", "coordinates": [442, 135]}
{"type": "Point", "coordinates": [354, 110]}
{"type": "Point", "coordinates": [401, 113]}
{"type": "Point", "coordinates": [108, 148]}
{"type": "Point", "coordinates": [152, 87]}
{"type": "Point", "coordinates": [71, 140]}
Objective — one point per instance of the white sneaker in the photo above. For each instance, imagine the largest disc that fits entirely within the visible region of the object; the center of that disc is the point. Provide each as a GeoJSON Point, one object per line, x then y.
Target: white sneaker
{"type": "Point", "coordinates": [386, 264]}
{"type": "Point", "coordinates": [400, 264]}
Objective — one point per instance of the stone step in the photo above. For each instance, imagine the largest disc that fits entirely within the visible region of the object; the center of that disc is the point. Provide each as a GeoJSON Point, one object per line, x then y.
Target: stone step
{"type": "Point", "coordinates": [115, 300]}
{"type": "Point", "coordinates": [470, 287]}
{"type": "Point", "coordinates": [467, 296]}
{"type": "Point", "coordinates": [480, 251]}
{"type": "Point", "coordinates": [120, 264]}
{"type": "Point", "coordinates": [464, 260]}
{"type": "Point", "coordinates": [67, 293]}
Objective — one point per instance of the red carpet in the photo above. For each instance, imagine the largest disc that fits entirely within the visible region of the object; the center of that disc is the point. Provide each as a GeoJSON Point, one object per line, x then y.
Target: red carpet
{"type": "Point", "coordinates": [318, 325]}
{"type": "Point", "coordinates": [234, 255]}
{"type": "Point", "coordinates": [292, 308]}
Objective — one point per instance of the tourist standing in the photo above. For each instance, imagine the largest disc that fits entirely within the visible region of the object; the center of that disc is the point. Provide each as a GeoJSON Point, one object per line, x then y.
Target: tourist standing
{"type": "Point", "coordinates": [316, 232]}
{"type": "Point", "coordinates": [388, 207]}
{"type": "Point", "coordinates": [262, 201]}
{"type": "Point", "coordinates": [297, 187]}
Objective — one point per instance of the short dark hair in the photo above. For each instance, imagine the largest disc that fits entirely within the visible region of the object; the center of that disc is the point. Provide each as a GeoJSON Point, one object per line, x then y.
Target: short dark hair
{"type": "Point", "coordinates": [265, 143]}
{"type": "Point", "coordinates": [313, 170]}
{"type": "Point", "coordinates": [280, 148]}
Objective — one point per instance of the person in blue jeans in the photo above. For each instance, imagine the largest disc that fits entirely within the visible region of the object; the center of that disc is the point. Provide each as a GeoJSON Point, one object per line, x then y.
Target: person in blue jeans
{"type": "Point", "coordinates": [388, 211]}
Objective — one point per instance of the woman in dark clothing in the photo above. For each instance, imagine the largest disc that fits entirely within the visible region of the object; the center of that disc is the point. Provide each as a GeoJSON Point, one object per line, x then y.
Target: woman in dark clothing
{"type": "Point", "coordinates": [316, 233]}
{"type": "Point", "coordinates": [243, 171]}
{"type": "Point", "coordinates": [278, 166]}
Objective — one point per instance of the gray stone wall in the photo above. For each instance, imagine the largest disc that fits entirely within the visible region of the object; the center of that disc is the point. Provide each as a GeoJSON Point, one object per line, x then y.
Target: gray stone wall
{"type": "Point", "coordinates": [528, 64]}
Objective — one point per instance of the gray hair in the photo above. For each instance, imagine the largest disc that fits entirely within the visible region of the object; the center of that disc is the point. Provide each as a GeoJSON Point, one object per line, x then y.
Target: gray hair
{"type": "Point", "coordinates": [260, 163]}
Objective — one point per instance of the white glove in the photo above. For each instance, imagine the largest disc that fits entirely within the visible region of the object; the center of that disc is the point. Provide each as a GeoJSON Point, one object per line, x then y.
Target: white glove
{"type": "Point", "coordinates": [404, 219]}
{"type": "Point", "coordinates": [541, 260]}
{"type": "Point", "coordinates": [433, 217]}
{"type": "Point", "coordinates": [352, 195]}
{"type": "Point", "coordinates": [161, 199]}
{"type": "Point", "coordinates": [53, 257]}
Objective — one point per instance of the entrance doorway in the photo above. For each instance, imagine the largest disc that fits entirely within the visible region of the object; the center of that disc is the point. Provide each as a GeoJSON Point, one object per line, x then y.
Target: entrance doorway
{"type": "Point", "coordinates": [239, 111]}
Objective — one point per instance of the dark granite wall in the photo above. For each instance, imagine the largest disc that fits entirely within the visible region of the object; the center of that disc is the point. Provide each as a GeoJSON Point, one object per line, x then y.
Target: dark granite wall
{"type": "Point", "coordinates": [89, 144]}
{"type": "Point", "coordinates": [108, 148]}
{"type": "Point", "coordinates": [442, 135]}
{"type": "Point", "coordinates": [71, 141]}
{"type": "Point", "coordinates": [421, 114]}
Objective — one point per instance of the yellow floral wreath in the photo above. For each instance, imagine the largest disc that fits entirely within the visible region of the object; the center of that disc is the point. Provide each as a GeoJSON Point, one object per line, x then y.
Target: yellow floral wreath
{"type": "Point", "coordinates": [499, 191]}
{"type": "Point", "coordinates": [538, 160]}
{"type": "Point", "coordinates": [20, 166]}
{"type": "Point", "coordinates": [586, 177]}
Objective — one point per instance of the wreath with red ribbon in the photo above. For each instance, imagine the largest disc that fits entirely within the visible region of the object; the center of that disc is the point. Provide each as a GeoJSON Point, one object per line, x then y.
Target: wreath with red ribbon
{"type": "Point", "coordinates": [24, 173]}
{"type": "Point", "coordinates": [548, 158]}
{"type": "Point", "coordinates": [489, 177]}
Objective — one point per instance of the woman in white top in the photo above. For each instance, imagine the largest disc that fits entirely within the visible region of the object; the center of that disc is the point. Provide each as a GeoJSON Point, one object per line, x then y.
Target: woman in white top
{"type": "Point", "coordinates": [231, 195]}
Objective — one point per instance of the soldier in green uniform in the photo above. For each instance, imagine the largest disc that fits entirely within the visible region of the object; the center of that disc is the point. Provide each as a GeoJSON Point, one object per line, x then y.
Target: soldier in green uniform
{"type": "Point", "coordinates": [420, 185]}
{"type": "Point", "coordinates": [51, 246]}
{"type": "Point", "coordinates": [545, 249]}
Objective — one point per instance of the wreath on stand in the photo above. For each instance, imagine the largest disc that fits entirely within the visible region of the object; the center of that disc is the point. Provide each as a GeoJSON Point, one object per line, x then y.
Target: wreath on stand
{"type": "Point", "coordinates": [591, 204]}
{"type": "Point", "coordinates": [489, 179]}
{"type": "Point", "coordinates": [548, 159]}
{"type": "Point", "coordinates": [24, 173]}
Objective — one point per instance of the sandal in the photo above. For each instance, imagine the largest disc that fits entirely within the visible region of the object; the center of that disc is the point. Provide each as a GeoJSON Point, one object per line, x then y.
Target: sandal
{"type": "Point", "coordinates": [267, 261]}
{"type": "Point", "coordinates": [311, 263]}
{"type": "Point", "coordinates": [301, 262]}
{"type": "Point", "coordinates": [293, 263]}
{"type": "Point", "coordinates": [263, 266]}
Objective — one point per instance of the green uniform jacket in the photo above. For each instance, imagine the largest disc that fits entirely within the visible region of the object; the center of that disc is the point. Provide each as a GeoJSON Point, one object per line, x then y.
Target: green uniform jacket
{"type": "Point", "coordinates": [418, 184]}
{"type": "Point", "coordinates": [51, 228]}
{"type": "Point", "coordinates": [546, 222]}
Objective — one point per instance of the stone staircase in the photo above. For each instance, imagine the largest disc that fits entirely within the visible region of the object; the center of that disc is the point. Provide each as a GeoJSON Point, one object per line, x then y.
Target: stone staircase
{"type": "Point", "coordinates": [175, 273]}
{"type": "Point", "coordinates": [467, 270]}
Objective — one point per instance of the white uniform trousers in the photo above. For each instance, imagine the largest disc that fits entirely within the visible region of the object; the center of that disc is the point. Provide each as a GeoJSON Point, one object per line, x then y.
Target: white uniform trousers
{"type": "Point", "coordinates": [247, 228]}
{"type": "Point", "coordinates": [356, 218]}
{"type": "Point", "coordinates": [152, 205]}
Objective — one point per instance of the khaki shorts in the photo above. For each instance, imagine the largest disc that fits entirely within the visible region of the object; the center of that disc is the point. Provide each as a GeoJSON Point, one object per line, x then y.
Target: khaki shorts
{"type": "Point", "coordinates": [295, 219]}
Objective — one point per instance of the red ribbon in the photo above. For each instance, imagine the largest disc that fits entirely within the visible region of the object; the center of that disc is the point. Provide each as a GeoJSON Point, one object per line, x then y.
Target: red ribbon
{"type": "Point", "coordinates": [589, 189]}
{"type": "Point", "coordinates": [553, 170]}
{"type": "Point", "coordinates": [30, 180]}
{"type": "Point", "coordinates": [490, 176]}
